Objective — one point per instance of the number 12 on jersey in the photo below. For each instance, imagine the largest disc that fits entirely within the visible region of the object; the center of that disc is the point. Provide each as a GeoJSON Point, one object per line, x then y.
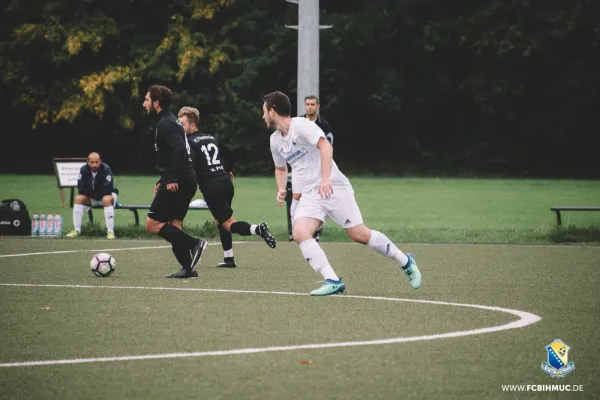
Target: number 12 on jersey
{"type": "Point", "coordinates": [206, 150]}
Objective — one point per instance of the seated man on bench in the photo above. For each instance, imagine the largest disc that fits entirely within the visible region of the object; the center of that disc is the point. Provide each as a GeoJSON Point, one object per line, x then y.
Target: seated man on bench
{"type": "Point", "coordinates": [96, 188]}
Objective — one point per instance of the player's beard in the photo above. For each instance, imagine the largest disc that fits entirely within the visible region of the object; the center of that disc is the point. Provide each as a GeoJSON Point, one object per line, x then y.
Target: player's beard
{"type": "Point", "coordinates": [152, 111]}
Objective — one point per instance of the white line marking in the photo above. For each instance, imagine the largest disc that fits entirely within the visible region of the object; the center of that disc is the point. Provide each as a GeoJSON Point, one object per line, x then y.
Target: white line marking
{"type": "Point", "coordinates": [525, 319]}
{"type": "Point", "coordinates": [100, 250]}
{"type": "Point", "coordinates": [80, 251]}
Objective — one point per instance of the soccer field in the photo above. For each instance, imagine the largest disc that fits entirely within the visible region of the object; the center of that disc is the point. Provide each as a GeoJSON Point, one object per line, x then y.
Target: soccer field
{"type": "Point", "coordinates": [481, 319]}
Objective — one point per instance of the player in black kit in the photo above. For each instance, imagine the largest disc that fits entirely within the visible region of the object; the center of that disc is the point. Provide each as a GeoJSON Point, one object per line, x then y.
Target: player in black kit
{"type": "Point", "coordinates": [215, 183]}
{"type": "Point", "coordinates": [176, 186]}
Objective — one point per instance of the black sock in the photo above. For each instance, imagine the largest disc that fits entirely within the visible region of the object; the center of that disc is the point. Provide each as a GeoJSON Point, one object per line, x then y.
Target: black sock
{"type": "Point", "coordinates": [183, 256]}
{"type": "Point", "coordinates": [241, 228]}
{"type": "Point", "coordinates": [177, 237]}
{"type": "Point", "coordinates": [226, 239]}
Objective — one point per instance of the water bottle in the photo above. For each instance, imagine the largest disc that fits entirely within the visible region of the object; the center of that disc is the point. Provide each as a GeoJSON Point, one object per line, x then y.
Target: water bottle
{"type": "Point", "coordinates": [57, 225]}
{"type": "Point", "coordinates": [50, 224]}
{"type": "Point", "coordinates": [43, 224]}
{"type": "Point", "coordinates": [35, 224]}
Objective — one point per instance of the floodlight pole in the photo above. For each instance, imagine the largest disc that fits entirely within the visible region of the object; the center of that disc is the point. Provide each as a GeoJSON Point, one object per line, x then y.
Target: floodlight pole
{"type": "Point", "coordinates": [308, 49]}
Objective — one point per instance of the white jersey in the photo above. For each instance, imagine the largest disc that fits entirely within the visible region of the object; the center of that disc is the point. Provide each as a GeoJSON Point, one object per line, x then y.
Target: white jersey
{"type": "Point", "coordinates": [299, 149]}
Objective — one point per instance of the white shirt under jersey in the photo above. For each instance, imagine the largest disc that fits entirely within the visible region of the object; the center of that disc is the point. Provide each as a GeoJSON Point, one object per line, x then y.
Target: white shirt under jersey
{"type": "Point", "coordinates": [299, 149]}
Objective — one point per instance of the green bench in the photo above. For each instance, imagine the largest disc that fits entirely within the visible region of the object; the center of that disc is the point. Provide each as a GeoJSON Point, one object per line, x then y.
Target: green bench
{"type": "Point", "coordinates": [558, 210]}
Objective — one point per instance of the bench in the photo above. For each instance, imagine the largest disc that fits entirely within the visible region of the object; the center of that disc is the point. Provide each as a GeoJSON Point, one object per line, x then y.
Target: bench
{"type": "Point", "coordinates": [557, 210]}
{"type": "Point", "coordinates": [134, 209]}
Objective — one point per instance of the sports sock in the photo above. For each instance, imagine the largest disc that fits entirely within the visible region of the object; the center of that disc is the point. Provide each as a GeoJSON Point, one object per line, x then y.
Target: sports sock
{"type": "Point", "coordinates": [384, 246]}
{"type": "Point", "coordinates": [226, 239]}
{"type": "Point", "coordinates": [228, 254]}
{"type": "Point", "coordinates": [183, 256]}
{"type": "Point", "coordinates": [109, 218]}
{"type": "Point", "coordinates": [77, 216]}
{"type": "Point", "coordinates": [314, 254]}
{"type": "Point", "coordinates": [177, 237]}
{"type": "Point", "coordinates": [243, 228]}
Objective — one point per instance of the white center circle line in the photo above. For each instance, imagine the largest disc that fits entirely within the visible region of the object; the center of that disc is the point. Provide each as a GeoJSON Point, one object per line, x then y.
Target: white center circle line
{"type": "Point", "coordinates": [525, 319]}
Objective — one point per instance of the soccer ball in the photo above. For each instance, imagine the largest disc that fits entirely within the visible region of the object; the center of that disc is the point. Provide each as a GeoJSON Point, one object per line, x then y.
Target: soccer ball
{"type": "Point", "coordinates": [103, 264]}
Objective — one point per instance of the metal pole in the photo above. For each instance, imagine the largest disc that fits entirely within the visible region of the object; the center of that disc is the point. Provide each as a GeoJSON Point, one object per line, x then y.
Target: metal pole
{"type": "Point", "coordinates": [308, 51]}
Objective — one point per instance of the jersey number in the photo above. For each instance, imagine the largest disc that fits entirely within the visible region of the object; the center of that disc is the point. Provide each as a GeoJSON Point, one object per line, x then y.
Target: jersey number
{"type": "Point", "coordinates": [206, 150]}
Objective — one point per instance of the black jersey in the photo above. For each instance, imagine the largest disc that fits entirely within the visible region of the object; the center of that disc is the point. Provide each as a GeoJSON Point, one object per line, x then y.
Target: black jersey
{"type": "Point", "coordinates": [208, 158]}
{"type": "Point", "coordinates": [174, 156]}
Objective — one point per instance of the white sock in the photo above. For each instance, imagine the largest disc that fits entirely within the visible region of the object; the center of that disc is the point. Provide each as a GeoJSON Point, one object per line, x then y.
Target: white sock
{"type": "Point", "coordinates": [228, 253]}
{"type": "Point", "coordinates": [253, 229]}
{"type": "Point", "coordinates": [314, 254]}
{"type": "Point", "coordinates": [384, 246]}
{"type": "Point", "coordinates": [109, 218]}
{"type": "Point", "coordinates": [77, 216]}
{"type": "Point", "coordinates": [293, 207]}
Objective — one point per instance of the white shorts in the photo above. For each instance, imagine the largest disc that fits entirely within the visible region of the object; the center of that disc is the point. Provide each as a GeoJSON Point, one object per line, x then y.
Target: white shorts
{"type": "Point", "coordinates": [296, 188]}
{"type": "Point", "coordinates": [341, 207]}
{"type": "Point", "coordinates": [98, 203]}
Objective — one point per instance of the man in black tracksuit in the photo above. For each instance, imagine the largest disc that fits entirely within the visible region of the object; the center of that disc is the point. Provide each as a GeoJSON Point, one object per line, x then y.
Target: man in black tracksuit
{"type": "Point", "coordinates": [176, 186]}
{"type": "Point", "coordinates": [96, 187]}
{"type": "Point", "coordinates": [214, 176]}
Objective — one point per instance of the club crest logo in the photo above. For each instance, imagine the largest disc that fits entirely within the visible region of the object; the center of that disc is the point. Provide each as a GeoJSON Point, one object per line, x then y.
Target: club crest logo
{"type": "Point", "coordinates": [557, 363]}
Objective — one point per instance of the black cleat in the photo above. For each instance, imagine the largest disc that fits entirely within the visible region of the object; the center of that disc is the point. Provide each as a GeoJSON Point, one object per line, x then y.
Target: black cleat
{"type": "Point", "coordinates": [291, 239]}
{"type": "Point", "coordinates": [228, 262]}
{"type": "Point", "coordinates": [197, 253]}
{"type": "Point", "coordinates": [263, 231]}
{"type": "Point", "coordinates": [184, 274]}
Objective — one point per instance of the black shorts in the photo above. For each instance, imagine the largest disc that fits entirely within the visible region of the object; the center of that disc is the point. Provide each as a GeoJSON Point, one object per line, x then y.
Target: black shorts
{"type": "Point", "coordinates": [219, 196]}
{"type": "Point", "coordinates": [168, 206]}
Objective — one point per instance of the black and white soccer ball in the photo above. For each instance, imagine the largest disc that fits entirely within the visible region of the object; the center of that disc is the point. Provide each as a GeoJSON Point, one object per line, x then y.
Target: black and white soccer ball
{"type": "Point", "coordinates": [103, 264]}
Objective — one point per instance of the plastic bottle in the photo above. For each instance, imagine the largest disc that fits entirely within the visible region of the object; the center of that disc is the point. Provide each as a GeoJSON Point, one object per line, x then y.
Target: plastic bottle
{"type": "Point", "coordinates": [57, 225]}
{"type": "Point", "coordinates": [50, 225]}
{"type": "Point", "coordinates": [35, 224]}
{"type": "Point", "coordinates": [43, 224]}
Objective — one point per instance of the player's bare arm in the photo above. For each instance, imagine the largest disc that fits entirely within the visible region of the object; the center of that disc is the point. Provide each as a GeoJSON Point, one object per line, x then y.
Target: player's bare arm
{"type": "Point", "coordinates": [325, 189]}
{"type": "Point", "coordinates": [281, 179]}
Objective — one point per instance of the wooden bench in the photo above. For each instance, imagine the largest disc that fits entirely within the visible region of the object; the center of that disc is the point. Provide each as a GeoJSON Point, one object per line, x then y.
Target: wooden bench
{"type": "Point", "coordinates": [134, 209]}
{"type": "Point", "coordinates": [558, 210]}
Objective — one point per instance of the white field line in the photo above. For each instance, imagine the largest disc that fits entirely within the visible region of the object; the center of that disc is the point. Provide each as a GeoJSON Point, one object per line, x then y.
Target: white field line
{"type": "Point", "coordinates": [97, 250]}
{"type": "Point", "coordinates": [525, 319]}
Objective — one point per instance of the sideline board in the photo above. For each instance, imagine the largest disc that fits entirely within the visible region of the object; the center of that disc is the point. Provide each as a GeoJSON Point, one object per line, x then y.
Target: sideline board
{"type": "Point", "coordinates": [67, 174]}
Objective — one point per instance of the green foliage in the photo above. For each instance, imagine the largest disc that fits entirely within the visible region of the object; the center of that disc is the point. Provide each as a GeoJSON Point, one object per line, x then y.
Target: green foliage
{"type": "Point", "coordinates": [492, 87]}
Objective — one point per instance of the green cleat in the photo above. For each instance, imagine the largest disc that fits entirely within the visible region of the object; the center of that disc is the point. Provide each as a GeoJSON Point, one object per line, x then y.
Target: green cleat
{"type": "Point", "coordinates": [412, 271]}
{"type": "Point", "coordinates": [73, 234]}
{"type": "Point", "coordinates": [329, 287]}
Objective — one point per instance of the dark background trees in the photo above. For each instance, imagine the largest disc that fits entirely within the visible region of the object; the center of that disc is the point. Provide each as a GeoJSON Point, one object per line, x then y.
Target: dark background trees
{"type": "Point", "coordinates": [410, 87]}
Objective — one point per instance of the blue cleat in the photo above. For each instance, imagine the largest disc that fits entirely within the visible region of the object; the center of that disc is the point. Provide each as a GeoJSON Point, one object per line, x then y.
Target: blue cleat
{"type": "Point", "coordinates": [329, 287]}
{"type": "Point", "coordinates": [412, 272]}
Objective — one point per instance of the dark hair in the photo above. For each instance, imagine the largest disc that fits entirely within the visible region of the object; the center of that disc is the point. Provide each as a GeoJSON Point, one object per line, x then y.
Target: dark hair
{"type": "Point", "coordinates": [162, 94]}
{"type": "Point", "coordinates": [311, 97]}
{"type": "Point", "coordinates": [279, 102]}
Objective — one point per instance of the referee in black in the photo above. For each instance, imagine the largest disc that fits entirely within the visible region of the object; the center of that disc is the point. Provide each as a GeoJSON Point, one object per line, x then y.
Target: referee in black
{"type": "Point", "coordinates": [176, 186]}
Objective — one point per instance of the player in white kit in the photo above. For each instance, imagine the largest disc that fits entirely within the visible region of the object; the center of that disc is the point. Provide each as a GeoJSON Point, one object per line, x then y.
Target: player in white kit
{"type": "Point", "coordinates": [325, 192]}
